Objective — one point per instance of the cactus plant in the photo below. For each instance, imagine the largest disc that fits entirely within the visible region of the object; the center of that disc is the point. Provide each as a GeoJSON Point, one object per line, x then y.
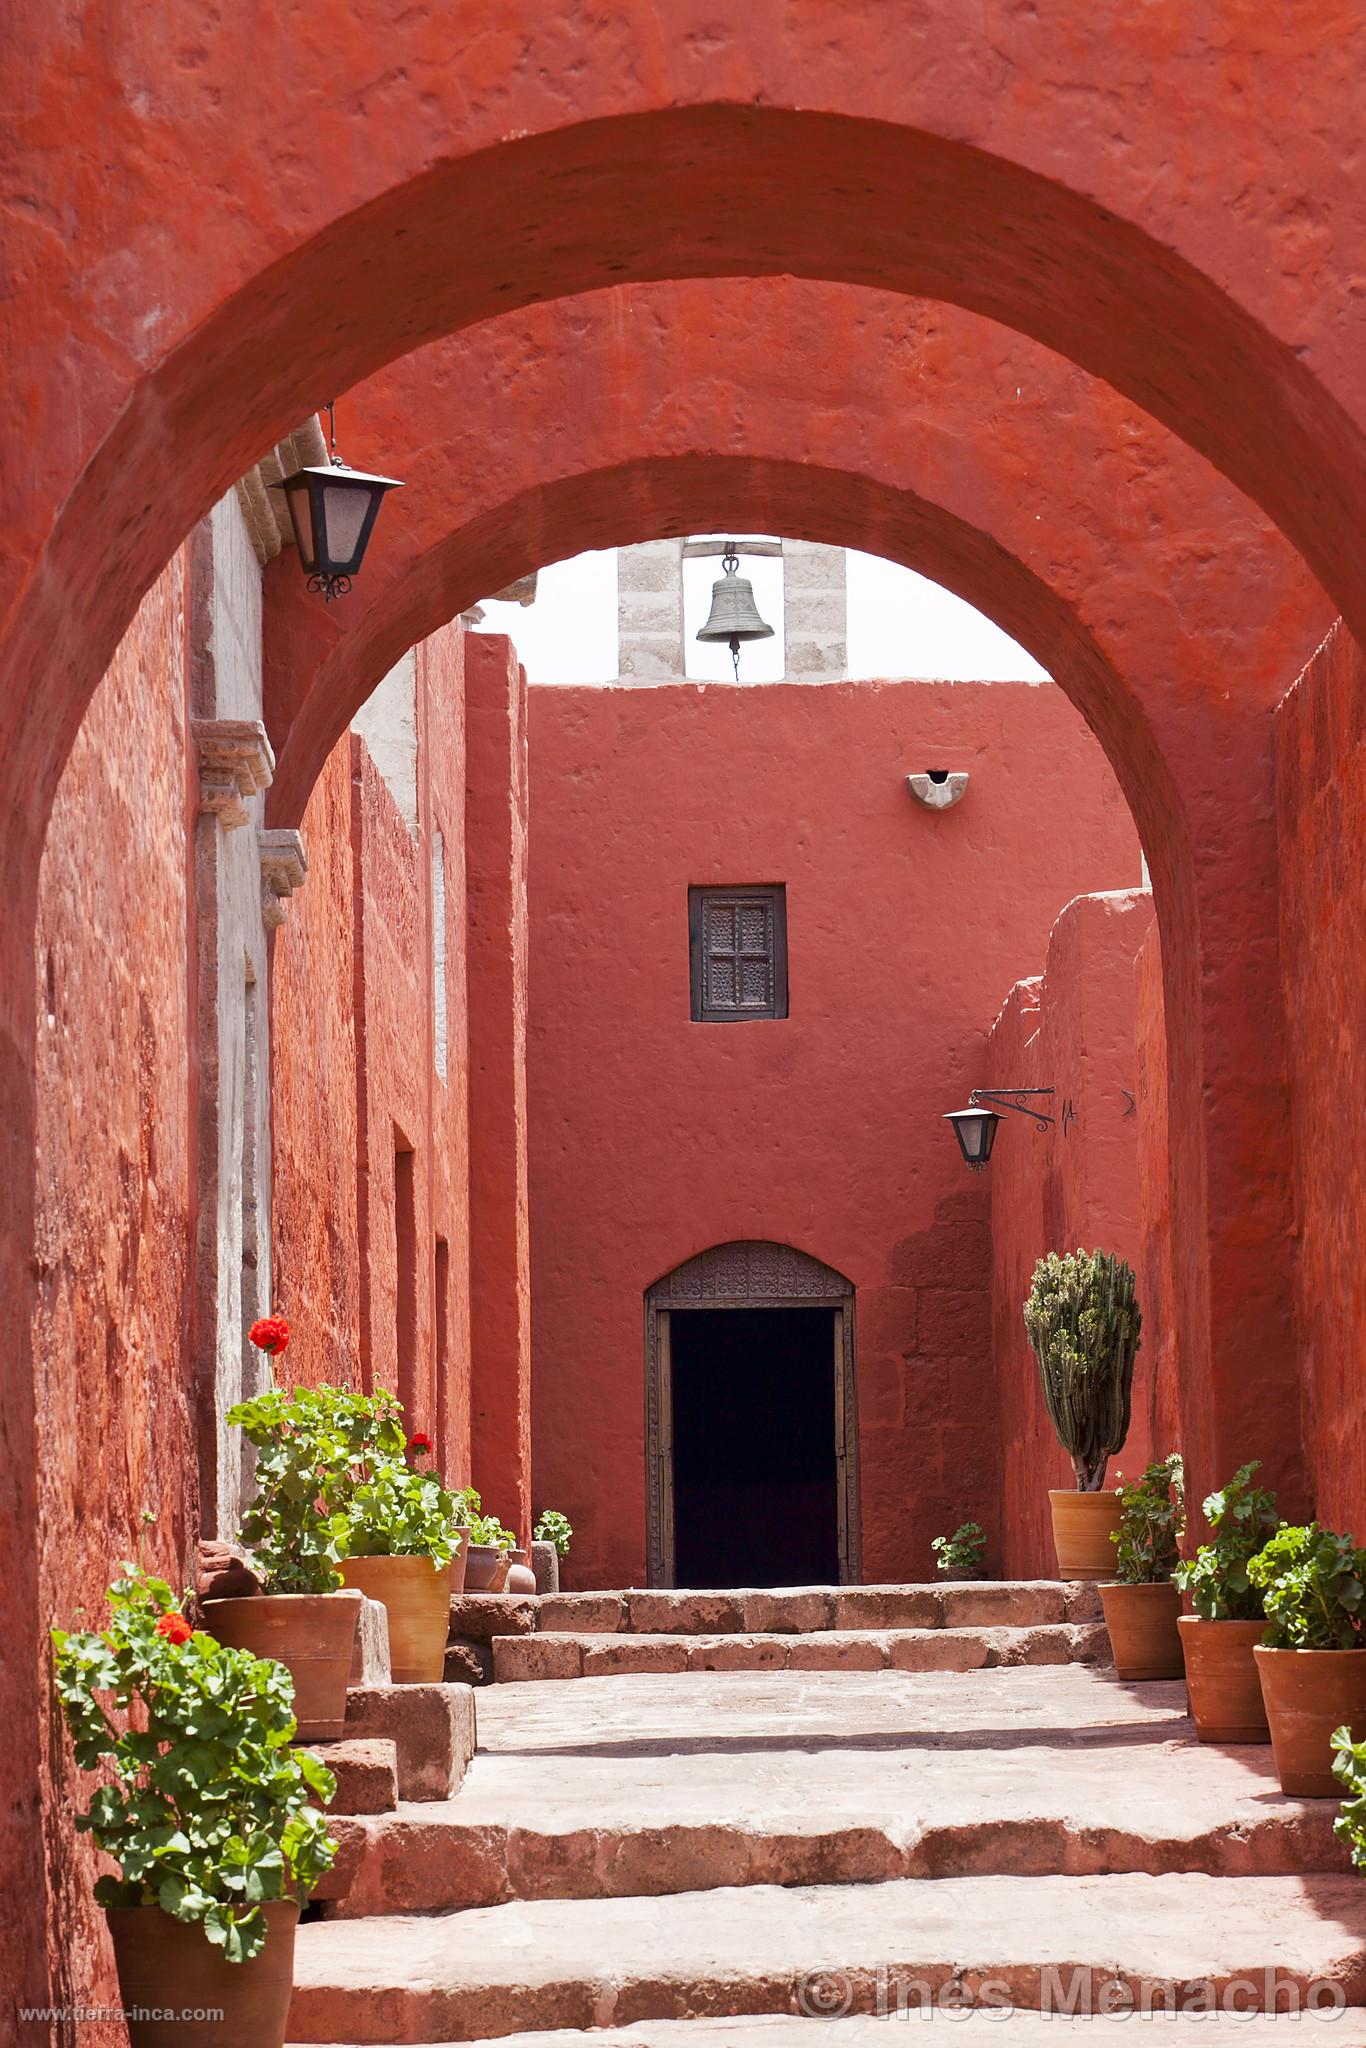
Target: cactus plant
{"type": "Point", "coordinates": [1083, 1325]}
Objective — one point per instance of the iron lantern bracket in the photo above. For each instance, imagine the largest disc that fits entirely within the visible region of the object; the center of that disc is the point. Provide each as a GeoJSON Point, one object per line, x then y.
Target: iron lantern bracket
{"type": "Point", "coordinates": [1004, 1099]}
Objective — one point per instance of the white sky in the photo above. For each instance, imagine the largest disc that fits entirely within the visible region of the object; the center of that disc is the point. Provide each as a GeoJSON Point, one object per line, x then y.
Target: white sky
{"type": "Point", "coordinates": [899, 625]}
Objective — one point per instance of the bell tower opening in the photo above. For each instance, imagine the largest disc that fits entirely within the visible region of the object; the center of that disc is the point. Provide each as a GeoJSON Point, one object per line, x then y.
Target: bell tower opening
{"type": "Point", "coordinates": [755, 1474]}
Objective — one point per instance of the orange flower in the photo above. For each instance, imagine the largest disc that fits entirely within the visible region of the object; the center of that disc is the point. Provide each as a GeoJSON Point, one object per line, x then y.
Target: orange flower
{"type": "Point", "coordinates": [175, 1628]}
{"type": "Point", "coordinates": [271, 1333]}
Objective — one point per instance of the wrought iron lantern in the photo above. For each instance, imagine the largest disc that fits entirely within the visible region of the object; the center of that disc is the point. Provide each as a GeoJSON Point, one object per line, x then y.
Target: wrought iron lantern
{"type": "Point", "coordinates": [975, 1127]}
{"type": "Point", "coordinates": [333, 508]}
{"type": "Point", "coordinates": [734, 616]}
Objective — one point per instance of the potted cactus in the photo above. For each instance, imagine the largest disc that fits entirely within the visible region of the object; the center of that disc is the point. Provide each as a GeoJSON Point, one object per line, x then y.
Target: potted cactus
{"type": "Point", "coordinates": [1083, 1325]}
{"type": "Point", "coordinates": [1218, 1640]}
{"type": "Point", "coordinates": [1141, 1603]}
{"type": "Point", "coordinates": [1310, 1661]}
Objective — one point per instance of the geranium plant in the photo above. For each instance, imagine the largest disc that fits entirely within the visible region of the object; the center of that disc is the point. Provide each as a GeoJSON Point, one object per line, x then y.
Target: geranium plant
{"type": "Point", "coordinates": [555, 1529]}
{"type": "Point", "coordinates": [487, 1532]}
{"type": "Point", "coordinates": [1152, 1521]}
{"type": "Point", "coordinates": [964, 1551]}
{"type": "Point", "coordinates": [392, 1507]}
{"type": "Point", "coordinates": [1242, 1518]}
{"type": "Point", "coordinates": [306, 1444]}
{"type": "Point", "coordinates": [1349, 1768]}
{"type": "Point", "coordinates": [205, 1806]}
{"type": "Point", "coordinates": [1313, 1586]}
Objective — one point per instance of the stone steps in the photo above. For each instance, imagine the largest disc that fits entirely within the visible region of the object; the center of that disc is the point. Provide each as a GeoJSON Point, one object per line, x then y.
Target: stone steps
{"type": "Point", "coordinates": [1017, 2029]}
{"type": "Point", "coordinates": [590, 1963]}
{"type": "Point", "coordinates": [522, 1659]}
{"type": "Point", "coordinates": [651, 1786]}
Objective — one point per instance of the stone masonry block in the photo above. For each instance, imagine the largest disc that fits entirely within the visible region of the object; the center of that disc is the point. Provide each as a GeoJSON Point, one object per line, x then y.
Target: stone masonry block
{"type": "Point", "coordinates": [1082, 1601]}
{"type": "Point", "coordinates": [960, 1649]}
{"type": "Point", "coordinates": [431, 1726]}
{"type": "Point", "coordinates": [517, 1659]}
{"type": "Point", "coordinates": [599, 1614]}
{"type": "Point", "coordinates": [795, 1611]}
{"type": "Point", "coordinates": [468, 1664]}
{"type": "Point", "coordinates": [687, 1614]}
{"type": "Point", "coordinates": [984, 1604]}
{"type": "Point", "coordinates": [479, 1617]}
{"type": "Point", "coordinates": [738, 1653]}
{"type": "Point", "coordinates": [611, 1656]}
{"type": "Point", "coordinates": [366, 1773]}
{"type": "Point", "coordinates": [885, 1607]}
{"type": "Point", "coordinates": [836, 1650]}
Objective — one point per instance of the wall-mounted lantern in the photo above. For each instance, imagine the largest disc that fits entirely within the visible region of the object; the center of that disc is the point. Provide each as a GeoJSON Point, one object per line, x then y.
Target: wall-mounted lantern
{"type": "Point", "coordinates": [939, 789]}
{"type": "Point", "coordinates": [975, 1127]}
{"type": "Point", "coordinates": [333, 510]}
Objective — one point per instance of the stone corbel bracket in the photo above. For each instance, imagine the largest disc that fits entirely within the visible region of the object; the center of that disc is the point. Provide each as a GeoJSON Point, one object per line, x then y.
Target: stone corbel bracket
{"type": "Point", "coordinates": [235, 762]}
{"type": "Point", "coordinates": [284, 865]}
{"type": "Point", "coordinates": [938, 792]}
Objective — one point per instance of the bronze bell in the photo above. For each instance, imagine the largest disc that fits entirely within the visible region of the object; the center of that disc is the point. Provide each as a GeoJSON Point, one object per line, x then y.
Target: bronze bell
{"type": "Point", "coordinates": [734, 615]}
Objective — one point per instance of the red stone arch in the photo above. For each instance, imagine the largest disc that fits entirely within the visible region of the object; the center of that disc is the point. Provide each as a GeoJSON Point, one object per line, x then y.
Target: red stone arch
{"type": "Point", "coordinates": [1162, 603]}
{"type": "Point", "coordinates": [296, 204]}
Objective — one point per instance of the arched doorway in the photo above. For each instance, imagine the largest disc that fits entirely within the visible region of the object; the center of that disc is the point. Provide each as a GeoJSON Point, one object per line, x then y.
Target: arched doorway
{"type": "Point", "coordinates": [751, 1421]}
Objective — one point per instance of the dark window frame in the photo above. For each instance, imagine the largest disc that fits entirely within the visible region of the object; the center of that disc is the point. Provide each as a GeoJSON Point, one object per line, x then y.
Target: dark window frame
{"type": "Point", "coordinates": [700, 896]}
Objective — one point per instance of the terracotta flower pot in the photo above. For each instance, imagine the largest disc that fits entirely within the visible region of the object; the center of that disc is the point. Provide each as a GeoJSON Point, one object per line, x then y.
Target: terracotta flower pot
{"type": "Point", "coordinates": [1222, 1685]}
{"type": "Point", "coordinates": [520, 1577]}
{"type": "Point", "coordinates": [1143, 1632]}
{"type": "Point", "coordinates": [168, 1965]}
{"type": "Point", "coordinates": [484, 1564]}
{"type": "Point", "coordinates": [1082, 1526]}
{"type": "Point", "coordinates": [314, 1634]}
{"type": "Point", "coordinates": [1309, 1693]}
{"type": "Point", "coordinates": [458, 1561]}
{"type": "Point", "coordinates": [416, 1596]}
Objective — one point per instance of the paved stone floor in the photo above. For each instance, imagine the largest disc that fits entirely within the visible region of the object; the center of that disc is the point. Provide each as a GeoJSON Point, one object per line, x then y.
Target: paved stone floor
{"type": "Point", "coordinates": [663, 1852]}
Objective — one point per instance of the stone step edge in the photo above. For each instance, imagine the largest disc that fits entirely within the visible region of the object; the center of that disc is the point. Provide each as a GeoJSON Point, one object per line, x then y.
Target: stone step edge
{"type": "Point", "coordinates": [522, 1659]}
{"type": "Point", "coordinates": [800, 1610]}
{"type": "Point", "coordinates": [989, 2029]}
{"type": "Point", "coordinates": [527, 1967]}
{"type": "Point", "coordinates": [412, 1862]}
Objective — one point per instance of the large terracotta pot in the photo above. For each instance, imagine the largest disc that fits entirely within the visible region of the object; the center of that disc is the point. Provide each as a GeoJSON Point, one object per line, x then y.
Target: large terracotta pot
{"type": "Point", "coordinates": [1082, 1527]}
{"type": "Point", "coordinates": [485, 1569]}
{"type": "Point", "coordinates": [462, 1536]}
{"type": "Point", "coordinates": [1309, 1693]}
{"type": "Point", "coordinates": [416, 1596]}
{"type": "Point", "coordinates": [168, 1965]}
{"type": "Point", "coordinates": [1222, 1685]}
{"type": "Point", "coordinates": [314, 1634]}
{"type": "Point", "coordinates": [1143, 1633]}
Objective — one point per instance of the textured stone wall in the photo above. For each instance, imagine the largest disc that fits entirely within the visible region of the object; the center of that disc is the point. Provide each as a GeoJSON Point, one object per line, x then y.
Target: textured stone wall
{"type": "Point", "coordinates": [653, 1138]}
{"type": "Point", "coordinates": [1074, 1184]}
{"type": "Point", "coordinates": [115, 1439]}
{"type": "Point", "coordinates": [356, 1076]}
{"type": "Point", "coordinates": [1321, 803]}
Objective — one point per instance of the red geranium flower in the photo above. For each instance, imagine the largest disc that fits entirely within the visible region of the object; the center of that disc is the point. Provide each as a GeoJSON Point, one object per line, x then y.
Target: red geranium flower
{"type": "Point", "coordinates": [175, 1628]}
{"type": "Point", "coordinates": [270, 1334]}
{"type": "Point", "coordinates": [420, 1442]}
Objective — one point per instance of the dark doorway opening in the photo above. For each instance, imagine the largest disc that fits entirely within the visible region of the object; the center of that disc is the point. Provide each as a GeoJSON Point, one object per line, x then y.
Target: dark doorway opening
{"type": "Point", "coordinates": [755, 1474]}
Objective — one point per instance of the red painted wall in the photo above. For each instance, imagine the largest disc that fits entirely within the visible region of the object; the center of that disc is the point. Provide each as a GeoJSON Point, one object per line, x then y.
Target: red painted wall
{"type": "Point", "coordinates": [115, 1439]}
{"type": "Point", "coordinates": [354, 1066]}
{"type": "Point", "coordinates": [653, 1137]}
{"type": "Point", "coordinates": [1321, 804]}
{"type": "Point", "coordinates": [1060, 1188]}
